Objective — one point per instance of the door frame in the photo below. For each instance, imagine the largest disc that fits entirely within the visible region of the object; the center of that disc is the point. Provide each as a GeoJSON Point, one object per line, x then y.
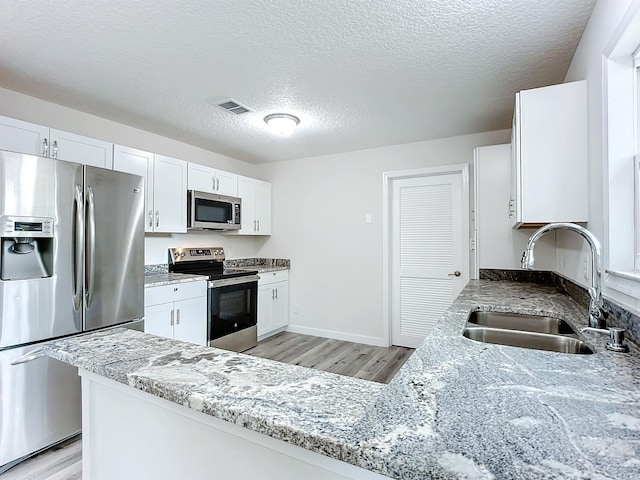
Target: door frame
{"type": "Point", "coordinates": [387, 179]}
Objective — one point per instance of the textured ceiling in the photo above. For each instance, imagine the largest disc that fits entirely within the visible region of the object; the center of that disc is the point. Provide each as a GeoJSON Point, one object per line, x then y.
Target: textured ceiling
{"type": "Point", "coordinates": [359, 74]}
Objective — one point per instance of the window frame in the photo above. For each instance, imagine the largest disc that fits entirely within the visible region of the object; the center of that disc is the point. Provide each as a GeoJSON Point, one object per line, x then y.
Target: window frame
{"type": "Point", "coordinates": [621, 108]}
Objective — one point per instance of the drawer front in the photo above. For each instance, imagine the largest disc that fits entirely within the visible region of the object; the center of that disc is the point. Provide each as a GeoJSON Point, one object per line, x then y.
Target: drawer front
{"type": "Point", "coordinates": [174, 292]}
{"type": "Point", "coordinates": [271, 277]}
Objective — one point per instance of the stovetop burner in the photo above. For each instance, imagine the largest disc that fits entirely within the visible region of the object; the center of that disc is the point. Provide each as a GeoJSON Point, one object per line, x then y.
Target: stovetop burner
{"type": "Point", "coordinates": [203, 261]}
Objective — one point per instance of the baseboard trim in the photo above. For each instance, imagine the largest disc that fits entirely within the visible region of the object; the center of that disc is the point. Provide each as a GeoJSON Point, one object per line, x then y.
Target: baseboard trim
{"type": "Point", "coordinates": [347, 337]}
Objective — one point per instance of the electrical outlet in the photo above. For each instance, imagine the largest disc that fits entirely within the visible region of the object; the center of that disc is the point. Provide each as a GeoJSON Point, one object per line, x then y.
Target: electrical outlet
{"type": "Point", "coordinates": [296, 308]}
{"type": "Point", "coordinates": [367, 218]}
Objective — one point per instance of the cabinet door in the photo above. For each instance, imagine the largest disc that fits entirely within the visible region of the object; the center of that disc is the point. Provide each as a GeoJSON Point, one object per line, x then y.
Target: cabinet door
{"type": "Point", "coordinates": [226, 183]}
{"type": "Point", "coordinates": [23, 137]}
{"type": "Point", "coordinates": [169, 195]}
{"type": "Point", "coordinates": [266, 297]}
{"type": "Point", "coordinates": [191, 320]}
{"type": "Point", "coordinates": [201, 178]}
{"type": "Point", "coordinates": [85, 150]}
{"type": "Point", "coordinates": [262, 205]}
{"type": "Point", "coordinates": [138, 162]}
{"type": "Point", "coordinates": [248, 214]}
{"type": "Point", "coordinates": [159, 319]}
{"type": "Point", "coordinates": [553, 154]}
{"type": "Point", "coordinates": [280, 310]}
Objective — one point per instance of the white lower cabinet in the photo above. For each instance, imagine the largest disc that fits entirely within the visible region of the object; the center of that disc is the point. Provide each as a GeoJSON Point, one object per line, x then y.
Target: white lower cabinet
{"type": "Point", "coordinates": [273, 302]}
{"type": "Point", "coordinates": [177, 311]}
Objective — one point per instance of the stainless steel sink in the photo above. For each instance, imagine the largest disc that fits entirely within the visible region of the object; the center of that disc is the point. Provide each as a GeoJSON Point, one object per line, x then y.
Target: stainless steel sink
{"type": "Point", "coordinates": [527, 331]}
{"type": "Point", "coordinates": [520, 321]}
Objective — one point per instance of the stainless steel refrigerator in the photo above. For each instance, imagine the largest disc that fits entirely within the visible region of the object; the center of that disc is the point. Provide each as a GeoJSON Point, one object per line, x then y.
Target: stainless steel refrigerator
{"type": "Point", "coordinates": [71, 260]}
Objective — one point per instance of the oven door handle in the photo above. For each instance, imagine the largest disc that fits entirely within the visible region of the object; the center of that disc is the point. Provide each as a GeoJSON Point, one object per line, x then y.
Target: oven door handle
{"type": "Point", "coordinates": [225, 282]}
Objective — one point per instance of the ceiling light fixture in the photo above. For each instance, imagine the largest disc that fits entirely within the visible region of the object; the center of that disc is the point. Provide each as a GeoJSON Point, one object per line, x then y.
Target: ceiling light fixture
{"type": "Point", "coordinates": [283, 123]}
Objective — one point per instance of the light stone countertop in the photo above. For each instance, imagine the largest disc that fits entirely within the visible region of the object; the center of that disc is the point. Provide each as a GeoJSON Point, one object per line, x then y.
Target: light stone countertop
{"type": "Point", "coordinates": [171, 278]}
{"type": "Point", "coordinates": [458, 409]}
{"type": "Point", "coordinates": [262, 268]}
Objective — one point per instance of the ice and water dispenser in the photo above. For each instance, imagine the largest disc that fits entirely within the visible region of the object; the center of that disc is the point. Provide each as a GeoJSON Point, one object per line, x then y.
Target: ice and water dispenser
{"type": "Point", "coordinates": [27, 247]}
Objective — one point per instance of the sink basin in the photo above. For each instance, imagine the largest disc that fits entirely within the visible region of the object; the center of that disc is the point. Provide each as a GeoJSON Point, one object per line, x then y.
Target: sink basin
{"type": "Point", "coordinates": [520, 321]}
{"type": "Point", "coordinates": [526, 331]}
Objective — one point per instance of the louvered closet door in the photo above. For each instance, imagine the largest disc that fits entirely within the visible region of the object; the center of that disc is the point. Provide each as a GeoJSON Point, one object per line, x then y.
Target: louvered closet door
{"type": "Point", "coordinates": [427, 250]}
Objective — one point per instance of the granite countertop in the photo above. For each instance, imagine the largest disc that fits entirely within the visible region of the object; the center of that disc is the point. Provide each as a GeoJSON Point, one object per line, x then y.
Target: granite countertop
{"type": "Point", "coordinates": [171, 278]}
{"type": "Point", "coordinates": [458, 409]}
{"type": "Point", "coordinates": [262, 268]}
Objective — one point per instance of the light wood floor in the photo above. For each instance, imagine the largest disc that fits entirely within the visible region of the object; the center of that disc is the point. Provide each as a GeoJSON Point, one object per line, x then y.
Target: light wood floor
{"type": "Point", "coordinates": [377, 364]}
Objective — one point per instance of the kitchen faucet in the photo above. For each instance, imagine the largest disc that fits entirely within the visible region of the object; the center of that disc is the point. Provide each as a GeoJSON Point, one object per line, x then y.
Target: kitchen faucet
{"type": "Point", "coordinates": [596, 311]}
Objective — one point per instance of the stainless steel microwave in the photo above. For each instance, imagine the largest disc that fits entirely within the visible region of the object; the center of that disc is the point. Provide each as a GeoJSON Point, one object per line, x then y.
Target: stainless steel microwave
{"type": "Point", "coordinates": [209, 211]}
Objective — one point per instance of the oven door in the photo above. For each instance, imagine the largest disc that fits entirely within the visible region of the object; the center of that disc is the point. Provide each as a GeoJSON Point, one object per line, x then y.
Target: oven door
{"type": "Point", "coordinates": [233, 306]}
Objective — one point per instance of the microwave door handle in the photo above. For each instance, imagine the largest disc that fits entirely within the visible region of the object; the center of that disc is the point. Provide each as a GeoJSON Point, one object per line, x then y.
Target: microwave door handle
{"type": "Point", "coordinates": [90, 253]}
{"type": "Point", "coordinates": [78, 247]}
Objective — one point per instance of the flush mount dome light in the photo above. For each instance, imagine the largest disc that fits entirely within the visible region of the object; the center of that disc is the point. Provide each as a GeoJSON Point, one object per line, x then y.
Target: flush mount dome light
{"type": "Point", "coordinates": [283, 123]}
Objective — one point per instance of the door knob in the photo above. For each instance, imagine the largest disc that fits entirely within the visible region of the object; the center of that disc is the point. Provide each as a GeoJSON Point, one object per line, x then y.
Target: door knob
{"type": "Point", "coordinates": [456, 273]}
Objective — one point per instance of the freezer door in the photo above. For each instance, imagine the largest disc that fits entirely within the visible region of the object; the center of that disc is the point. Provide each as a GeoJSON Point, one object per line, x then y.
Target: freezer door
{"type": "Point", "coordinates": [48, 304]}
{"type": "Point", "coordinates": [114, 247]}
{"type": "Point", "coordinates": [40, 402]}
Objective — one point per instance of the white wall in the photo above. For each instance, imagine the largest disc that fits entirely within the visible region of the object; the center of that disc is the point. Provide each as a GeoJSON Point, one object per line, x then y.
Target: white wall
{"type": "Point", "coordinates": [319, 208]}
{"type": "Point", "coordinates": [34, 110]}
{"type": "Point", "coordinates": [157, 245]}
{"type": "Point", "coordinates": [571, 251]}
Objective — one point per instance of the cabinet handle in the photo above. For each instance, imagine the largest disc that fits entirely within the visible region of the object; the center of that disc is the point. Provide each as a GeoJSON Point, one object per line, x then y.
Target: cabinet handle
{"type": "Point", "coordinates": [45, 148]}
{"type": "Point", "coordinates": [151, 218]}
{"type": "Point", "coordinates": [255, 226]}
{"type": "Point", "coordinates": [273, 294]}
{"type": "Point", "coordinates": [55, 149]}
{"type": "Point", "coordinates": [178, 317]}
{"type": "Point", "coordinates": [258, 221]}
{"type": "Point", "coordinates": [172, 318]}
{"type": "Point", "coordinates": [276, 293]}
{"type": "Point", "coordinates": [157, 218]}
{"type": "Point", "coordinates": [217, 184]}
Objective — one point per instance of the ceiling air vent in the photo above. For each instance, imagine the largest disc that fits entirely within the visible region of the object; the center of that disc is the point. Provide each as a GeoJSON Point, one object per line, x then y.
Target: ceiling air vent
{"type": "Point", "coordinates": [232, 106]}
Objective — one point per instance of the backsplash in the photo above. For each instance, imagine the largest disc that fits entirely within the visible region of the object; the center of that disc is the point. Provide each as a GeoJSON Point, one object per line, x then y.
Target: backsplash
{"type": "Point", "coordinates": [161, 268]}
{"type": "Point", "coordinates": [257, 262]}
{"type": "Point", "coordinates": [618, 316]}
{"type": "Point", "coordinates": [157, 269]}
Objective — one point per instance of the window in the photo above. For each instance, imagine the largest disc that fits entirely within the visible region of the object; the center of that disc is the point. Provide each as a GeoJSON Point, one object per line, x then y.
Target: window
{"type": "Point", "coordinates": [622, 215]}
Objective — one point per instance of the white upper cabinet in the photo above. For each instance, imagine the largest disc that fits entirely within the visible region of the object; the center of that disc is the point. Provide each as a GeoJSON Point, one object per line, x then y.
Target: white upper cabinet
{"type": "Point", "coordinates": [23, 137]}
{"type": "Point", "coordinates": [169, 195]}
{"type": "Point", "coordinates": [165, 187]}
{"type": "Point", "coordinates": [256, 206]}
{"type": "Point", "coordinates": [76, 148]}
{"type": "Point", "coordinates": [549, 156]}
{"type": "Point", "coordinates": [210, 180]}
{"type": "Point", "coordinates": [33, 139]}
{"type": "Point", "coordinates": [138, 162]}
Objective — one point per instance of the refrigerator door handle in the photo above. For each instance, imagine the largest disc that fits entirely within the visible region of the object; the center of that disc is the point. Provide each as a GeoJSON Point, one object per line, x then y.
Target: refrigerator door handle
{"type": "Point", "coordinates": [78, 248]}
{"type": "Point", "coordinates": [90, 252]}
{"type": "Point", "coordinates": [29, 356]}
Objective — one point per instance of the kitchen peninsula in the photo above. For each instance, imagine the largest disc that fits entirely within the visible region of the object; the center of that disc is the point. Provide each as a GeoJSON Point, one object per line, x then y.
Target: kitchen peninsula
{"type": "Point", "coordinates": [159, 408]}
